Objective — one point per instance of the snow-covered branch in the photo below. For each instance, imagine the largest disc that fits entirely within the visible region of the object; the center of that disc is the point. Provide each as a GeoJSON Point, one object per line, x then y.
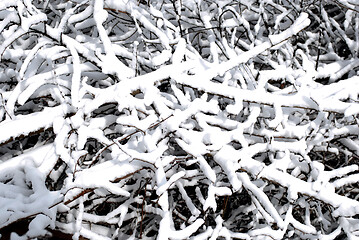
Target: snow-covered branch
{"type": "Point", "coordinates": [179, 119]}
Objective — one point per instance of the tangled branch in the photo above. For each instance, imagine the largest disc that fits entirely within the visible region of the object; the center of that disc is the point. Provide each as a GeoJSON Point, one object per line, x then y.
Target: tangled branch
{"type": "Point", "coordinates": [179, 119]}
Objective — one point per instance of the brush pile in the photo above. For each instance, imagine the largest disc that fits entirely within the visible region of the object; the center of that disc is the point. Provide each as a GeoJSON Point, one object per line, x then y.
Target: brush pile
{"type": "Point", "coordinates": [182, 119]}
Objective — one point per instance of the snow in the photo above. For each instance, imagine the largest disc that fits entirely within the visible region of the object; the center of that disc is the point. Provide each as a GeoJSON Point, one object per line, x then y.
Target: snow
{"type": "Point", "coordinates": [195, 212]}
{"type": "Point", "coordinates": [193, 120]}
{"type": "Point", "coordinates": [9, 40]}
{"type": "Point", "coordinates": [139, 15]}
{"type": "Point", "coordinates": [262, 198]}
{"type": "Point", "coordinates": [12, 129]}
{"type": "Point", "coordinates": [26, 22]}
{"type": "Point", "coordinates": [204, 235]}
{"type": "Point", "coordinates": [180, 51]}
{"type": "Point", "coordinates": [78, 17]}
{"type": "Point", "coordinates": [162, 188]}
{"type": "Point", "coordinates": [76, 76]}
{"type": "Point", "coordinates": [37, 226]}
{"type": "Point", "coordinates": [346, 180]}
{"type": "Point", "coordinates": [79, 218]}
{"type": "Point", "coordinates": [206, 168]}
{"type": "Point", "coordinates": [31, 167]}
{"type": "Point", "coordinates": [30, 56]}
{"type": "Point", "coordinates": [94, 178]}
{"type": "Point", "coordinates": [119, 5]}
{"type": "Point", "coordinates": [225, 158]}
{"type": "Point", "coordinates": [300, 23]}
{"type": "Point", "coordinates": [161, 58]}
{"type": "Point", "coordinates": [188, 231]}
{"type": "Point", "coordinates": [92, 235]}
{"type": "Point", "coordinates": [110, 63]}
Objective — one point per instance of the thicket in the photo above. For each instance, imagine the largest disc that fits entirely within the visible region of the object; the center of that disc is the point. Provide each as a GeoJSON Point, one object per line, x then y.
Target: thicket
{"type": "Point", "coordinates": [200, 119]}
